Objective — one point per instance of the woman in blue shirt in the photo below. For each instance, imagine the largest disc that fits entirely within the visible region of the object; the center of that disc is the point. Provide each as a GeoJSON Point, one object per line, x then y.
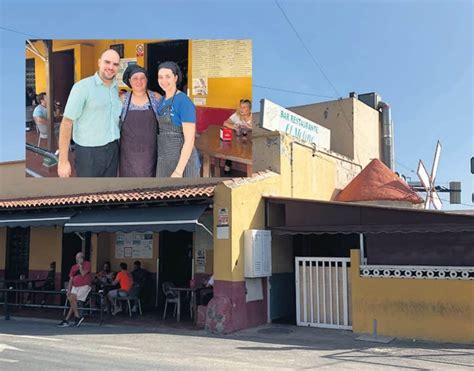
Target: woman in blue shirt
{"type": "Point", "coordinates": [177, 156]}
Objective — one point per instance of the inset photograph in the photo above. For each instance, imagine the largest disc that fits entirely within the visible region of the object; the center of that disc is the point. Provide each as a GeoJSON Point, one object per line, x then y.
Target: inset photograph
{"type": "Point", "coordinates": [139, 108]}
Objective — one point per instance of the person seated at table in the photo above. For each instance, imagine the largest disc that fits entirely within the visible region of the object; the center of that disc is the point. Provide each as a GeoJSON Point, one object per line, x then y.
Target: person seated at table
{"type": "Point", "coordinates": [241, 122]}
{"type": "Point", "coordinates": [103, 280]}
{"type": "Point", "coordinates": [50, 282]}
{"type": "Point", "coordinates": [105, 276]}
{"type": "Point", "coordinates": [242, 117]}
{"type": "Point", "coordinates": [140, 276]}
{"type": "Point", "coordinates": [125, 280]}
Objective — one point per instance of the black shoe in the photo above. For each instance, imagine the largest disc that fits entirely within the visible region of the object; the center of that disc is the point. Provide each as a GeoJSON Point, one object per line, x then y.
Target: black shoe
{"type": "Point", "coordinates": [78, 321]}
{"type": "Point", "coordinates": [63, 323]}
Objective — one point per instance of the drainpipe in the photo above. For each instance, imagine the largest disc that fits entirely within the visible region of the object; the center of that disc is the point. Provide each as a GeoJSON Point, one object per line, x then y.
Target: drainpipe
{"type": "Point", "coordinates": [388, 156]}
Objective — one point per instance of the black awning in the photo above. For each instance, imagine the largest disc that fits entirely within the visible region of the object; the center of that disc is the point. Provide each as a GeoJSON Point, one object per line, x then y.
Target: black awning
{"type": "Point", "coordinates": [380, 228]}
{"type": "Point", "coordinates": [40, 219]}
{"type": "Point", "coordinates": [156, 219]}
{"type": "Point", "coordinates": [296, 216]}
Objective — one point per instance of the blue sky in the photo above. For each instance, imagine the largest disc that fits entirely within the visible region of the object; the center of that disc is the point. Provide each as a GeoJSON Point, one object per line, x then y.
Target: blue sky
{"type": "Point", "coordinates": [418, 55]}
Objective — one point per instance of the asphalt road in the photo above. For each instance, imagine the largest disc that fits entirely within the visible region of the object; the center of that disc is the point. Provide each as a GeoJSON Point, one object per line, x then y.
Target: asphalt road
{"type": "Point", "coordinates": [27, 344]}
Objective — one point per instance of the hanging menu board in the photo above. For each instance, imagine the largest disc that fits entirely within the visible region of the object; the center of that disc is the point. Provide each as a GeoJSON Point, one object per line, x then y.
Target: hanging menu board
{"type": "Point", "coordinates": [222, 58]}
{"type": "Point", "coordinates": [134, 245]}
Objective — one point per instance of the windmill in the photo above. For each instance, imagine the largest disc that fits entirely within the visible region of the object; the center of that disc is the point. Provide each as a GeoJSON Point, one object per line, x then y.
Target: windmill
{"type": "Point", "coordinates": [428, 181]}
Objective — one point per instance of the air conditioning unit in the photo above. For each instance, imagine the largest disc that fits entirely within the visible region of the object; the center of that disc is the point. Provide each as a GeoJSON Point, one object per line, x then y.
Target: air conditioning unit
{"type": "Point", "coordinates": [257, 253]}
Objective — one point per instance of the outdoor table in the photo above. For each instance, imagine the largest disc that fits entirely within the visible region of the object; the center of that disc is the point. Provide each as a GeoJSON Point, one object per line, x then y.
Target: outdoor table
{"type": "Point", "coordinates": [237, 150]}
{"type": "Point", "coordinates": [192, 291]}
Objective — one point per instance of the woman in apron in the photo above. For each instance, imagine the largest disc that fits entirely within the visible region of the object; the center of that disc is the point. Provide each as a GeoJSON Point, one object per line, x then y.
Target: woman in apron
{"type": "Point", "coordinates": [177, 156]}
{"type": "Point", "coordinates": [139, 126]}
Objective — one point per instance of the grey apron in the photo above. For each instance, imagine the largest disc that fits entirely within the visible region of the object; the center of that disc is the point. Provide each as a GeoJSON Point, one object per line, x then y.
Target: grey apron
{"type": "Point", "coordinates": [170, 143]}
{"type": "Point", "coordinates": [138, 143]}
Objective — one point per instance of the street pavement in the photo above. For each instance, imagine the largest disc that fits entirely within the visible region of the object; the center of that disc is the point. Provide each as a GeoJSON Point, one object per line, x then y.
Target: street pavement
{"type": "Point", "coordinates": [30, 344]}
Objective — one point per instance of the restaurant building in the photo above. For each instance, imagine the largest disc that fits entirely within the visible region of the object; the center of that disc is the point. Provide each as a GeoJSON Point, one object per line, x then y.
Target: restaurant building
{"type": "Point", "coordinates": [289, 194]}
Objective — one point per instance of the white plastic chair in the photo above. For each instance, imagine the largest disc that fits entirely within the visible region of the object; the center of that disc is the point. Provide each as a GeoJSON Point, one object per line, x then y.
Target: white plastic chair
{"type": "Point", "coordinates": [134, 295]}
{"type": "Point", "coordinates": [171, 297]}
{"type": "Point", "coordinates": [29, 116]}
{"type": "Point", "coordinates": [43, 131]}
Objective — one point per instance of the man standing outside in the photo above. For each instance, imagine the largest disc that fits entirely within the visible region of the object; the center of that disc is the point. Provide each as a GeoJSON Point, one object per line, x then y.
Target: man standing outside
{"type": "Point", "coordinates": [91, 117]}
{"type": "Point", "coordinates": [80, 279]}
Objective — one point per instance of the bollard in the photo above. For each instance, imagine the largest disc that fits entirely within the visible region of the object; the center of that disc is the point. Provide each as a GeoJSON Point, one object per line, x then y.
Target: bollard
{"type": "Point", "coordinates": [375, 328]}
{"type": "Point", "coordinates": [5, 304]}
{"type": "Point", "coordinates": [101, 300]}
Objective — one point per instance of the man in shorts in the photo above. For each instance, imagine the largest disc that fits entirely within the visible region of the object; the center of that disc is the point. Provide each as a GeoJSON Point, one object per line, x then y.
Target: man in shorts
{"type": "Point", "coordinates": [80, 279]}
{"type": "Point", "coordinates": [125, 280]}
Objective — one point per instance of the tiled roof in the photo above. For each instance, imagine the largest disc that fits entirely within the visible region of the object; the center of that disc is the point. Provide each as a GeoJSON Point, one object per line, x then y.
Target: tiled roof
{"type": "Point", "coordinates": [154, 194]}
{"type": "Point", "coordinates": [376, 182]}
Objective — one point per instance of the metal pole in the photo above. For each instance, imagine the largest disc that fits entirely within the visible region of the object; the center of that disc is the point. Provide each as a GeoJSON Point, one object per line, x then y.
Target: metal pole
{"type": "Point", "coordinates": [5, 306]}
{"type": "Point", "coordinates": [48, 46]}
{"type": "Point", "coordinates": [157, 290]}
{"type": "Point", "coordinates": [101, 306]}
{"type": "Point", "coordinates": [362, 253]}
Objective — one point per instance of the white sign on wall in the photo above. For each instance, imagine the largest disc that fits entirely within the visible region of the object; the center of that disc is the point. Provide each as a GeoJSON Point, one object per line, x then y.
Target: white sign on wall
{"type": "Point", "coordinates": [134, 245]}
{"type": "Point", "coordinates": [277, 118]}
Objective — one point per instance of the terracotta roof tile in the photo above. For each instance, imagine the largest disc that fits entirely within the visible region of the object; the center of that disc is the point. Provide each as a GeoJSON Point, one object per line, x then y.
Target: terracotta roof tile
{"type": "Point", "coordinates": [168, 193]}
{"type": "Point", "coordinates": [376, 182]}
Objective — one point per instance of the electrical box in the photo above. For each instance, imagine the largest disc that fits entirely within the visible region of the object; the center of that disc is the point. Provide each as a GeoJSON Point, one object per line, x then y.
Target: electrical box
{"type": "Point", "coordinates": [257, 253]}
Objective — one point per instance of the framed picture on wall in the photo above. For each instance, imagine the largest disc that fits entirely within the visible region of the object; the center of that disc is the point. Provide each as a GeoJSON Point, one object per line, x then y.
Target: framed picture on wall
{"type": "Point", "coordinates": [118, 48]}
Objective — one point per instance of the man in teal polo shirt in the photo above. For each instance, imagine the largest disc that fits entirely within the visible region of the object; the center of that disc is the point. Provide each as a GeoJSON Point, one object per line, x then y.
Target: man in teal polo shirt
{"type": "Point", "coordinates": [91, 117]}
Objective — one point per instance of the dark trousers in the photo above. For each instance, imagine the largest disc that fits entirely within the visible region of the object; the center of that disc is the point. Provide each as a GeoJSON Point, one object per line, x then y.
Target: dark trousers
{"type": "Point", "coordinates": [99, 161]}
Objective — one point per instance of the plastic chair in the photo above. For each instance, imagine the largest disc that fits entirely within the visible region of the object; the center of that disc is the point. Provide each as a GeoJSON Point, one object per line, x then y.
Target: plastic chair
{"type": "Point", "coordinates": [171, 297]}
{"type": "Point", "coordinates": [43, 131]}
{"type": "Point", "coordinates": [134, 295]}
{"type": "Point", "coordinates": [29, 117]}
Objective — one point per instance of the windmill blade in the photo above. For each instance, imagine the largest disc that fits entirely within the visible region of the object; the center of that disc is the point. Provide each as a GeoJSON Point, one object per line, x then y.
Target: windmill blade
{"type": "Point", "coordinates": [435, 200]}
{"type": "Point", "coordinates": [423, 175]}
{"type": "Point", "coordinates": [434, 169]}
{"type": "Point", "coordinates": [427, 201]}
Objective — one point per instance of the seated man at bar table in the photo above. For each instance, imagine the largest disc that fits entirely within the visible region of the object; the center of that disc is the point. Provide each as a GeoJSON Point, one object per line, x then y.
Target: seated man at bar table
{"type": "Point", "coordinates": [125, 280]}
{"type": "Point", "coordinates": [105, 276]}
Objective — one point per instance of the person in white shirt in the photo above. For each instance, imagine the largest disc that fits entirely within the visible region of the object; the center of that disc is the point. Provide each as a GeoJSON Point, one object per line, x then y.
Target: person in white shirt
{"type": "Point", "coordinates": [241, 122]}
{"type": "Point", "coordinates": [242, 117]}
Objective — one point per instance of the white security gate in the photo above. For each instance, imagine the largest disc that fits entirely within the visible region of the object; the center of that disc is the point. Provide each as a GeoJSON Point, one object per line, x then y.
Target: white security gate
{"type": "Point", "coordinates": [323, 292]}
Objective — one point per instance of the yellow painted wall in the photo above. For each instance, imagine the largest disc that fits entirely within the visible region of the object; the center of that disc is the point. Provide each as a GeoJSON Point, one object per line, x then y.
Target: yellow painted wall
{"type": "Point", "coordinates": [3, 247]}
{"type": "Point", "coordinates": [202, 240]}
{"type": "Point", "coordinates": [440, 310]}
{"type": "Point", "coordinates": [107, 253]}
{"type": "Point", "coordinates": [303, 174]}
{"type": "Point", "coordinates": [45, 247]}
{"type": "Point", "coordinates": [226, 92]}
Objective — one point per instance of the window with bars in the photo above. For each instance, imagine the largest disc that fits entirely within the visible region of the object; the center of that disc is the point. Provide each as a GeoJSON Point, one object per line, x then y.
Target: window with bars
{"type": "Point", "coordinates": [30, 74]}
